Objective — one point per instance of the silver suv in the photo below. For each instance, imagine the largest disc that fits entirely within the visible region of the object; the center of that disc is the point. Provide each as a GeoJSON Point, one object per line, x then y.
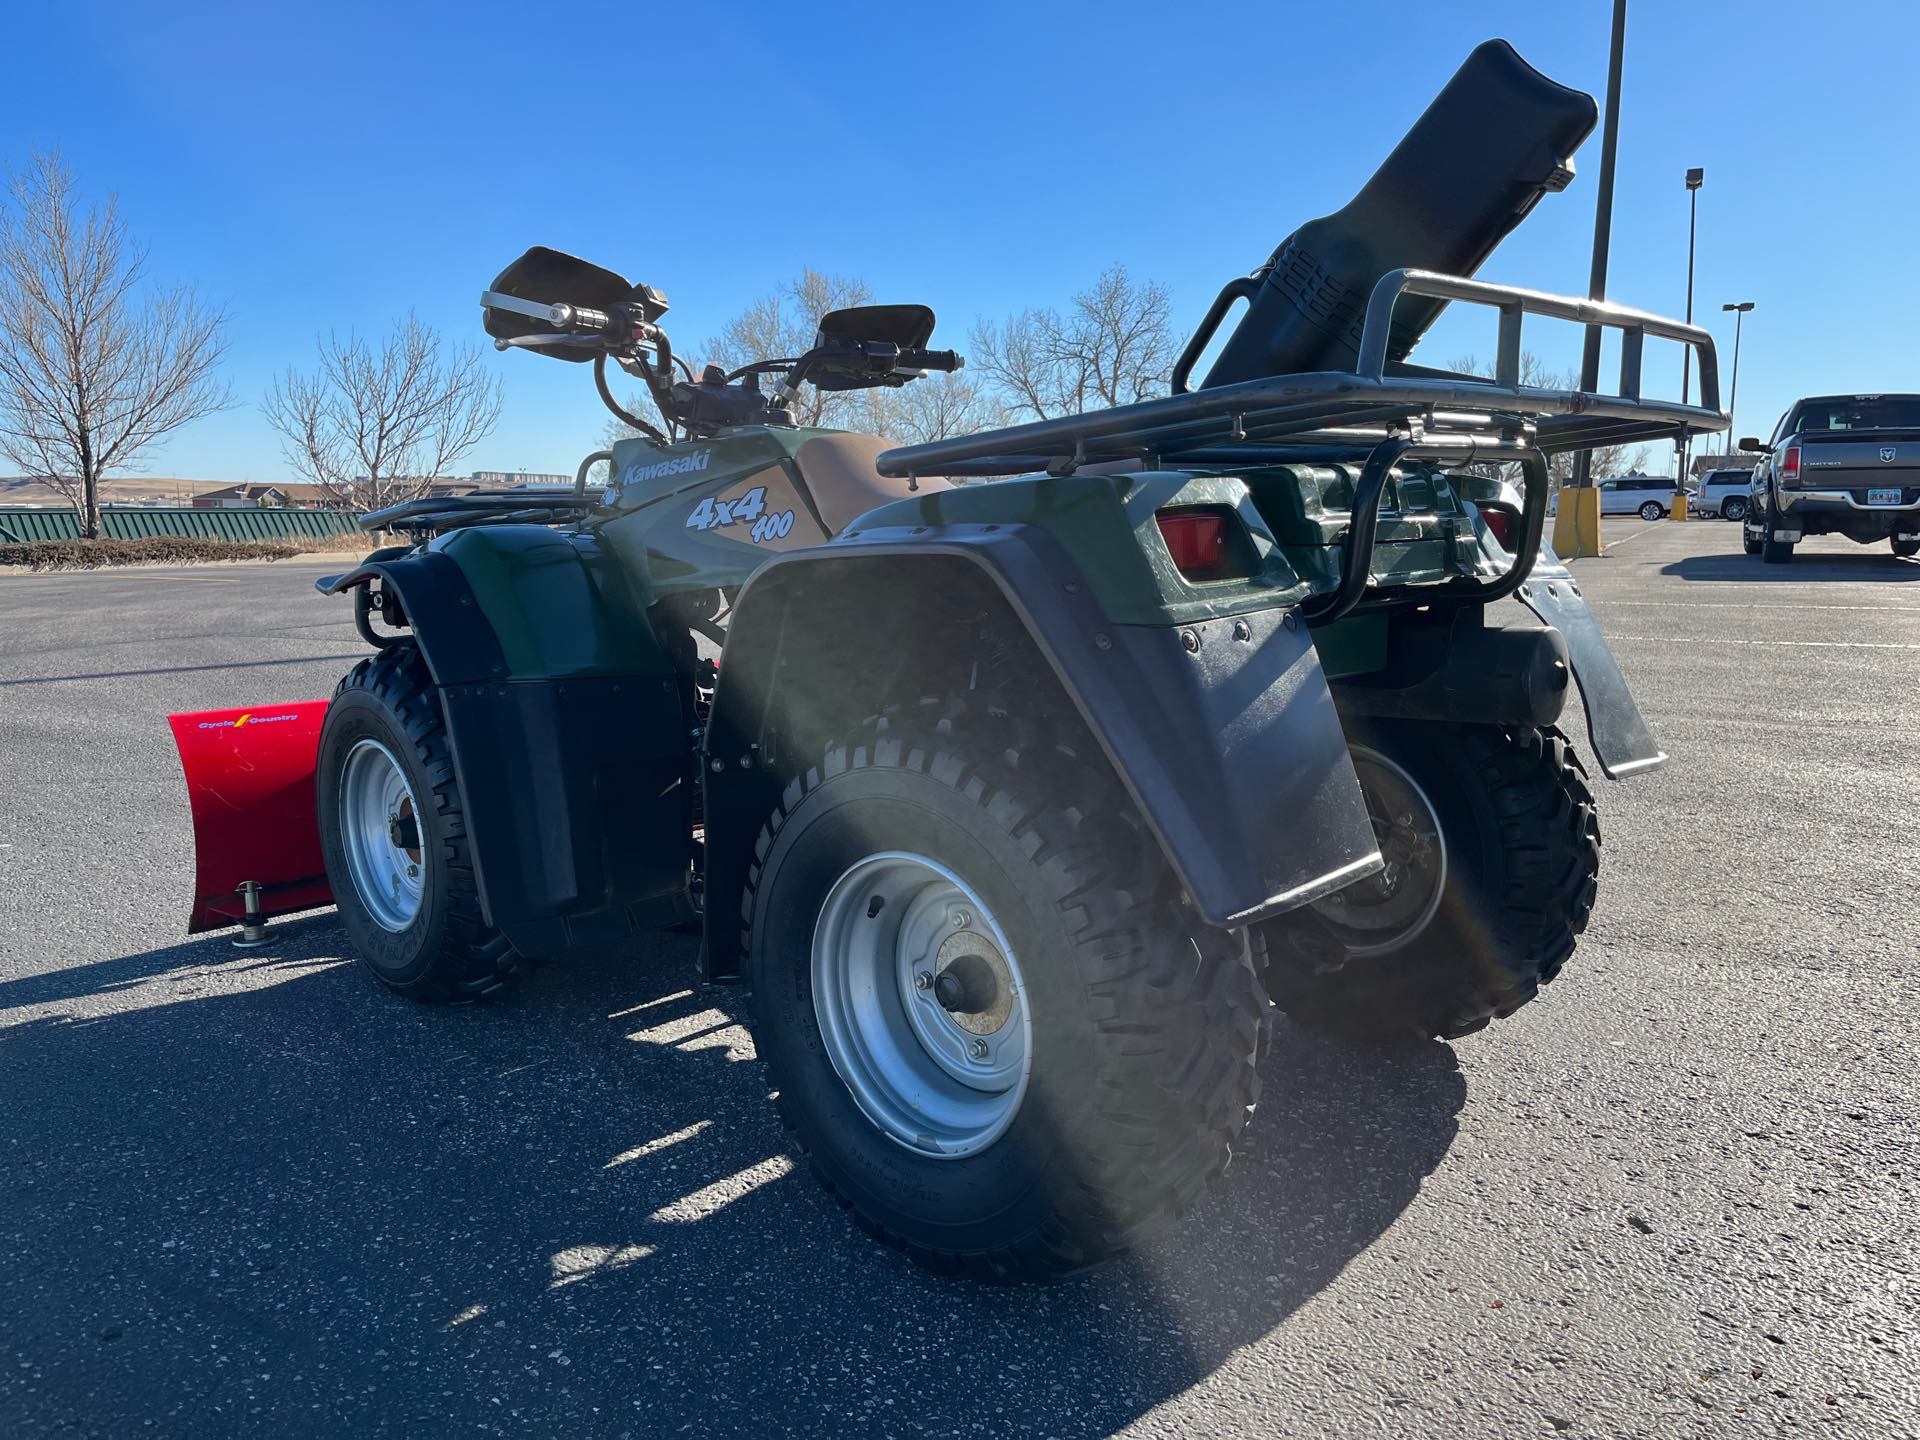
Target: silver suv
{"type": "Point", "coordinates": [1724, 493]}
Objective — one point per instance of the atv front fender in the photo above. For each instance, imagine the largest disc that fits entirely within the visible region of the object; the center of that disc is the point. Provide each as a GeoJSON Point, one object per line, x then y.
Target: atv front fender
{"type": "Point", "coordinates": [567, 728]}
{"type": "Point", "coordinates": [1223, 730]}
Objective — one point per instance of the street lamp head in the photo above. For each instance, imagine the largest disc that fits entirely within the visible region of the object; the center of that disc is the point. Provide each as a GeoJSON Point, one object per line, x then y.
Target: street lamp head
{"type": "Point", "coordinates": [1695, 177]}
{"type": "Point", "coordinates": [1743, 306]}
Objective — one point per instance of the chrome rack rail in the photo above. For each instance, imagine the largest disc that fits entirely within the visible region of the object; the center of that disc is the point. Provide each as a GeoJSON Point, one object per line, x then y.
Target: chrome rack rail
{"type": "Point", "coordinates": [1458, 417]}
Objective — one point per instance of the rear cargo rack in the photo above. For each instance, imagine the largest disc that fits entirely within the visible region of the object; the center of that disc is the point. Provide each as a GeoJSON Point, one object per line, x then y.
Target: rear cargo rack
{"type": "Point", "coordinates": [1342, 414]}
{"type": "Point", "coordinates": [1379, 412]}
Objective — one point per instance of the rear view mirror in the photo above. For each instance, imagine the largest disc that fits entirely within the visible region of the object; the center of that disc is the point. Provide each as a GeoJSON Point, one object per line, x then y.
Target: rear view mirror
{"type": "Point", "coordinates": [552, 277]}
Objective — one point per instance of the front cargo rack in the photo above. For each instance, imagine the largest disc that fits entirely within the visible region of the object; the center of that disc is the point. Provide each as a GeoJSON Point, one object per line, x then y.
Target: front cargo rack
{"type": "Point", "coordinates": [436, 513]}
{"type": "Point", "coordinates": [1378, 412]}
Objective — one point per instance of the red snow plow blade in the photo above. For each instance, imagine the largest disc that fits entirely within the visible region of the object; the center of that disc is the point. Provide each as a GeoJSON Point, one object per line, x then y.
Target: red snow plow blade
{"type": "Point", "coordinates": [250, 779]}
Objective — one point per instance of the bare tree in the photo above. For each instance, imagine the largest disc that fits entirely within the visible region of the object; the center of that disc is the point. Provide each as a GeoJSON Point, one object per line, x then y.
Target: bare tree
{"type": "Point", "coordinates": [1535, 373]}
{"type": "Point", "coordinates": [782, 325]}
{"type": "Point", "coordinates": [937, 406]}
{"type": "Point", "coordinates": [376, 425]}
{"type": "Point", "coordinates": [1113, 346]}
{"type": "Point", "coordinates": [95, 367]}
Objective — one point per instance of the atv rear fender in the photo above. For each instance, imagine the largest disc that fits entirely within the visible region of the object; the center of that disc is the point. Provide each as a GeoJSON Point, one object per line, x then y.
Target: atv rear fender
{"type": "Point", "coordinates": [1222, 728]}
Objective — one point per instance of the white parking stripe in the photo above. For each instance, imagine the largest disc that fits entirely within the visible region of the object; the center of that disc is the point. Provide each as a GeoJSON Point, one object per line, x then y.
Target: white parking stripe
{"type": "Point", "coordinates": [1795, 644]}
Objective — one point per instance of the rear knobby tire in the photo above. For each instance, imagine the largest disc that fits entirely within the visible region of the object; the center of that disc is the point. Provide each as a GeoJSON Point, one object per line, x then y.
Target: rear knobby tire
{"type": "Point", "coordinates": [446, 950]}
{"type": "Point", "coordinates": [1522, 859]}
{"type": "Point", "coordinates": [1144, 1021]}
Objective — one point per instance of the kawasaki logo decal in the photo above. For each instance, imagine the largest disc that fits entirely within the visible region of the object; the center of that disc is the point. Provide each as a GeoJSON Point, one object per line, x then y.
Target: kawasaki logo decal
{"type": "Point", "coordinates": [660, 469]}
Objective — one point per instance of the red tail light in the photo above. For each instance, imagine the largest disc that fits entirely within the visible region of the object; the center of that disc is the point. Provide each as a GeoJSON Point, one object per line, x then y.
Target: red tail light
{"type": "Point", "coordinates": [1790, 463]}
{"type": "Point", "coordinates": [1197, 540]}
{"type": "Point", "coordinates": [1499, 522]}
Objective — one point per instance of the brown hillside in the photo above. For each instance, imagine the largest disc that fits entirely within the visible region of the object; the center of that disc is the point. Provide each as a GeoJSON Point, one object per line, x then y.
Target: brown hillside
{"type": "Point", "coordinates": [19, 490]}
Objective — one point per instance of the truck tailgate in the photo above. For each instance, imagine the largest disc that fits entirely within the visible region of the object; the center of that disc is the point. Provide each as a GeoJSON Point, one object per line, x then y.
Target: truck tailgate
{"type": "Point", "coordinates": [1865, 457]}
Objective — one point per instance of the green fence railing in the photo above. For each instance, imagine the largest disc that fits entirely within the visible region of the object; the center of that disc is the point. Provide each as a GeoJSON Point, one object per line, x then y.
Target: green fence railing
{"type": "Point", "coordinates": [21, 525]}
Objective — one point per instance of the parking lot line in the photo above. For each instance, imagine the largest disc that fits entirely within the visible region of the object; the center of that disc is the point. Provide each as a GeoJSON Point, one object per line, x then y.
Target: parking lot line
{"type": "Point", "coordinates": [1774, 644]}
{"type": "Point", "coordinates": [1810, 605]}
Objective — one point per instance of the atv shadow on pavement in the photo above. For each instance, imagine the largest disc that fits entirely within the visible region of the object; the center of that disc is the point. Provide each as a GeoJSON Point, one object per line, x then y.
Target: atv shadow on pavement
{"type": "Point", "coordinates": [1866, 565]}
{"type": "Point", "coordinates": [255, 1185]}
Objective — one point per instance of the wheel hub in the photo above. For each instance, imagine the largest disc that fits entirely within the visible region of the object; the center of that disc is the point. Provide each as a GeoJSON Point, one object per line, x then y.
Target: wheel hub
{"type": "Point", "coordinates": [380, 833]}
{"type": "Point", "coordinates": [973, 983]}
{"type": "Point", "coordinates": [921, 1006]}
{"type": "Point", "coordinates": [1389, 908]}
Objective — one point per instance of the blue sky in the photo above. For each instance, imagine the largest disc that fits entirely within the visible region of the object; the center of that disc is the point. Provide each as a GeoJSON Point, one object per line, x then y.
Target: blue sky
{"type": "Point", "coordinates": [328, 166]}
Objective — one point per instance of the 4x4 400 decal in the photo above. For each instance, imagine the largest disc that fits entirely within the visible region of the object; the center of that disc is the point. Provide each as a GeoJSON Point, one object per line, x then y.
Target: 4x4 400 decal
{"type": "Point", "coordinates": [712, 514]}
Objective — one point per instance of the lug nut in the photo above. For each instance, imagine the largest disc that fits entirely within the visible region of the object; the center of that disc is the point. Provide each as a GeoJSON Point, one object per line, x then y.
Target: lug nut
{"type": "Point", "coordinates": [961, 919]}
{"type": "Point", "coordinates": [923, 979]}
{"type": "Point", "coordinates": [978, 1049]}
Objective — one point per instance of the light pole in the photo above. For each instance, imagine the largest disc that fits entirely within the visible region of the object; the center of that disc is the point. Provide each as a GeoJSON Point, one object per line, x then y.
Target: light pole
{"type": "Point", "coordinates": [1695, 178]}
{"type": "Point", "coordinates": [1740, 310]}
{"type": "Point", "coordinates": [1571, 536]}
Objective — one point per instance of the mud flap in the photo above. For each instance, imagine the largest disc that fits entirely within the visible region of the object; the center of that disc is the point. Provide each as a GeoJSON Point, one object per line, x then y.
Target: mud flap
{"type": "Point", "coordinates": [250, 785]}
{"type": "Point", "coordinates": [1620, 737]}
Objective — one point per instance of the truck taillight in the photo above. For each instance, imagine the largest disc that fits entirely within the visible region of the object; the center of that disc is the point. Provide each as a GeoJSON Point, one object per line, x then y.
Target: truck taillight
{"type": "Point", "coordinates": [1197, 540]}
{"type": "Point", "coordinates": [1790, 463]}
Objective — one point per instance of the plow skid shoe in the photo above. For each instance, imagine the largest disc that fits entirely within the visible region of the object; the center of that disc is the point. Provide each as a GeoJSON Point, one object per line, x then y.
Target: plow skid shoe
{"type": "Point", "coordinates": [250, 783]}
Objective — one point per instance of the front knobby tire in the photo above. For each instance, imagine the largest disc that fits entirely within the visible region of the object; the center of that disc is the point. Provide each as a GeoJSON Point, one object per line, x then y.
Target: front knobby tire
{"type": "Point", "coordinates": [1142, 1023]}
{"type": "Point", "coordinates": [394, 836]}
{"type": "Point", "coordinates": [1521, 859]}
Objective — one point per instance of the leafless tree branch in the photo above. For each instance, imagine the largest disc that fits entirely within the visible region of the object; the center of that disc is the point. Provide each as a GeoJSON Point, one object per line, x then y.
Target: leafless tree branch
{"type": "Point", "coordinates": [92, 374]}
{"type": "Point", "coordinates": [1113, 345]}
{"type": "Point", "coordinates": [377, 424]}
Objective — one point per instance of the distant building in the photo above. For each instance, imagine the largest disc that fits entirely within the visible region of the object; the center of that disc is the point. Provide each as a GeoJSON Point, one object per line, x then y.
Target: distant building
{"type": "Point", "coordinates": [258, 497]}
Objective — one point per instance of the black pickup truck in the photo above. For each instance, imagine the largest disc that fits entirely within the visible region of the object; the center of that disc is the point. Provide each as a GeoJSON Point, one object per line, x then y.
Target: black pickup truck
{"type": "Point", "coordinates": [1837, 465]}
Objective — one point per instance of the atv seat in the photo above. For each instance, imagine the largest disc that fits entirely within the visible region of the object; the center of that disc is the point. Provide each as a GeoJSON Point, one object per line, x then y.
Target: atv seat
{"type": "Point", "coordinates": [838, 471]}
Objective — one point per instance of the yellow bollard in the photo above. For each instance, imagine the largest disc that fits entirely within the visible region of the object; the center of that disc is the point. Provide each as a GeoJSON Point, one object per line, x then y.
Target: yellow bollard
{"type": "Point", "coordinates": [1679, 511]}
{"type": "Point", "coordinates": [1576, 527]}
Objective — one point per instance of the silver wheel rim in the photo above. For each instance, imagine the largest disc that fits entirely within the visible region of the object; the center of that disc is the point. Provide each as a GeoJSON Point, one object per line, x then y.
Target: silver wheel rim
{"type": "Point", "coordinates": [921, 1005]}
{"type": "Point", "coordinates": [1389, 909]}
{"type": "Point", "coordinates": [1650, 511]}
{"type": "Point", "coordinates": [377, 817]}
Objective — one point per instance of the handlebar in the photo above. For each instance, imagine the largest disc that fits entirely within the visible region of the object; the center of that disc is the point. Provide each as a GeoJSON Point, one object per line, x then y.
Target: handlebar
{"type": "Point", "coordinates": [948, 360]}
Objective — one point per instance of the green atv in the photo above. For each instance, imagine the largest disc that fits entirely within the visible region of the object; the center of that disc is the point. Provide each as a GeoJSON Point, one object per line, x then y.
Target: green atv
{"type": "Point", "coordinates": [1014, 772]}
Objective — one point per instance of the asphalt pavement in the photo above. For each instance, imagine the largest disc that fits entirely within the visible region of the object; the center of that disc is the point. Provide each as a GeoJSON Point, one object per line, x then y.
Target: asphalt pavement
{"type": "Point", "coordinates": [247, 1193]}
